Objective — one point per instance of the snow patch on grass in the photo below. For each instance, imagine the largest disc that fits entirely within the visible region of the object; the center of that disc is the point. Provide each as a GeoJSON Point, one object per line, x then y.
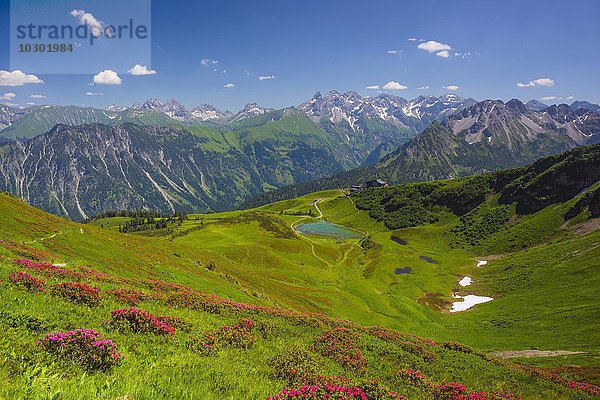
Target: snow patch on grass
{"type": "Point", "coordinates": [468, 302]}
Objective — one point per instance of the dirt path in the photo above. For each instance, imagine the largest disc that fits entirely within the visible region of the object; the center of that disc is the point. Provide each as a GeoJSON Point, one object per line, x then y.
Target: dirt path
{"type": "Point", "coordinates": [533, 353]}
{"type": "Point", "coordinates": [321, 215]}
{"type": "Point", "coordinates": [44, 238]}
{"type": "Point", "coordinates": [312, 245]}
{"type": "Point", "coordinates": [295, 222]}
{"type": "Point", "coordinates": [316, 204]}
{"type": "Point", "coordinates": [352, 201]}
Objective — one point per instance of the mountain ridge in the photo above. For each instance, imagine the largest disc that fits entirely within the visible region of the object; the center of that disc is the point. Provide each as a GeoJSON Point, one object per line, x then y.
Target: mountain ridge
{"type": "Point", "coordinates": [272, 149]}
{"type": "Point", "coordinates": [488, 136]}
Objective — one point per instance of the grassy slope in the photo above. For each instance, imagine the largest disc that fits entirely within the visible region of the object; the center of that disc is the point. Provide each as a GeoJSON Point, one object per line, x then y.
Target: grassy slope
{"type": "Point", "coordinates": [346, 282]}
{"type": "Point", "coordinates": [543, 274]}
{"type": "Point", "coordinates": [161, 368]}
{"type": "Point", "coordinates": [129, 256]}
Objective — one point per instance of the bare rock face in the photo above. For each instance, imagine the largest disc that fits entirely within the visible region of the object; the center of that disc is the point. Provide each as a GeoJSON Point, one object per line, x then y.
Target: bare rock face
{"type": "Point", "coordinates": [80, 171]}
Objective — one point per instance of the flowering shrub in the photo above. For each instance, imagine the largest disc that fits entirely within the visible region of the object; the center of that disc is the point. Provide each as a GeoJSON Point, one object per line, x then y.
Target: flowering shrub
{"type": "Point", "coordinates": [563, 381]}
{"type": "Point", "coordinates": [409, 343]}
{"type": "Point", "coordinates": [24, 250]}
{"type": "Point", "coordinates": [83, 346]}
{"type": "Point", "coordinates": [395, 336]}
{"type": "Point", "coordinates": [48, 269]}
{"type": "Point", "coordinates": [413, 377]}
{"type": "Point", "coordinates": [129, 296]}
{"type": "Point", "coordinates": [59, 271]}
{"type": "Point", "coordinates": [295, 365]}
{"type": "Point", "coordinates": [267, 328]}
{"type": "Point", "coordinates": [180, 296]}
{"type": "Point", "coordinates": [486, 396]}
{"type": "Point", "coordinates": [238, 335]}
{"type": "Point", "coordinates": [586, 387]}
{"type": "Point", "coordinates": [341, 345]}
{"type": "Point", "coordinates": [175, 322]}
{"type": "Point", "coordinates": [338, 388]}
{"type": "Point", "coordinates": [455, 346]}
{"type": "Point", "coordinates": [375, 390]}
{"type": "Point", "coordinates": [77, 292]}
{"type": "Point", "coordinates": [166, 287]}
{"type": "Point", "coordinates": [319, 391]}
{"type": "Point", "coordinates": [27, 281]}
{"type": "Point", "coordinates": [449, 390]}
{"type": "Point", "coordinates": [139, 321]}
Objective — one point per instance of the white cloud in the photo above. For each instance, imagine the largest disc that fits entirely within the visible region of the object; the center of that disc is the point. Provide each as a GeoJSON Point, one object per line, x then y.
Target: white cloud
{"type": "Point", "coordinates": [8, 96]}
{"type": "Point", "coordinates": [537, 82]}
{"type": "Point", "coordinates": [412, 39]}
{"type": "Point", "coordinates": [432, 46]}
{"type": "Point", "coordinates": [266, 78]}
{"type": "Point", "coordinates": [570, 97]}
{"type": "Point", "coordinates": [107, 77]}
{"type": "Point", "coordinates": [17, 78]}
{"type": "Point", "coordinates": [373, 87]}
{"type": "Point", "coordinates": [37, 96]}
{"type": "Point", "coordinates": [548, 98]}
{"type": "Point", "coordinates": [423, 88]}
{"type": "Point", "coordinates": [29, 103]}
{"type": "Point", "coordinates": [94, 94]}
{"type": "Point", "coordinates": [443, 54]}
{"type": "Point", "coordinates": [208, 61]}
{"type": "Point", "coordinates": [392, 51]}
{"type": "Point", "coordinates": [141, 70]}
{"type": "Point", "coordinates": [544, 82]}
{"type": "Point", "coordinates": [229, 85]}
{"type": "Point", "coordinates": [451, 87]}
{"type": "Point", "coordinates": [391, 85]}
{"type": "Point", "coordinates": [88, 19]}
{"type": "Point", "coordinates": [463, 55]}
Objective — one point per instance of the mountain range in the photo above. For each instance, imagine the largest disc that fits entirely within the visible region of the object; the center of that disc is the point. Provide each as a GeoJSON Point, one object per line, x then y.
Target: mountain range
{"type": "Point", "coordinates": [158, 155]}
{"type": "Point", "coordinates": [348, 110]}
{"type": "Point", "coordinates": [487, 136]}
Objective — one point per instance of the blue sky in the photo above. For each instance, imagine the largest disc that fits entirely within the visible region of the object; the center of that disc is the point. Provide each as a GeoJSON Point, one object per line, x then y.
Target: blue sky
{"type": "Point", "coordinates": [550, 47]}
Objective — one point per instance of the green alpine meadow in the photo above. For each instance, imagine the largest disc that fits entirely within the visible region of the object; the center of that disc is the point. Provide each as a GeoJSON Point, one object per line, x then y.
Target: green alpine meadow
{"type": "Point", "coordinates": [315, 200]}
{"type": "Point", "coordinates": [243, 305]}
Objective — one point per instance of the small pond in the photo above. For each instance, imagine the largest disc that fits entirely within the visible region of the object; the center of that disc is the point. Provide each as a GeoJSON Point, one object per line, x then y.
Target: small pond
{"type": "Point", "coordinates": [400, 271]}
{"type": "Point", "coordinates": [398, 240]}
{"type": "Point", "coordinates": [428, 259]}
{"type": "Point", "coordinates": [328, 229]}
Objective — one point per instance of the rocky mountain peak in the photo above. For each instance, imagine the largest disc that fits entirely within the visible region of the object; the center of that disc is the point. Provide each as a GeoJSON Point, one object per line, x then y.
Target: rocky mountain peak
{"type": "Point", "coordinates": [535, 105]}
{"type": "Point", "coordinates": [251, 110]}
{"type": "Point", "coordinates": [116, 108]}
{"type": "Point", "coordinates": [516, 106]}
{"type": "Point", "coordinates": [208, 112]}
{"type": "Point", "coordinates": [576, 105]}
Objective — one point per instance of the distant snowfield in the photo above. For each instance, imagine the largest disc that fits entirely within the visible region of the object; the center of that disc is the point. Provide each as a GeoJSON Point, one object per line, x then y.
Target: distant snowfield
{"type": "Point", "coordinates": [471, 299]}
{"type": "Point", "coordinates": [468, 302]}
{"type": "Point", "coordinates": [466, 281]}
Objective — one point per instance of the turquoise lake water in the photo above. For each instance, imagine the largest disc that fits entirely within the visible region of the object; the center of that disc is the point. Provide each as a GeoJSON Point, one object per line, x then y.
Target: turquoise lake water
{"type": "Point", "coordinates": [328, 229]}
